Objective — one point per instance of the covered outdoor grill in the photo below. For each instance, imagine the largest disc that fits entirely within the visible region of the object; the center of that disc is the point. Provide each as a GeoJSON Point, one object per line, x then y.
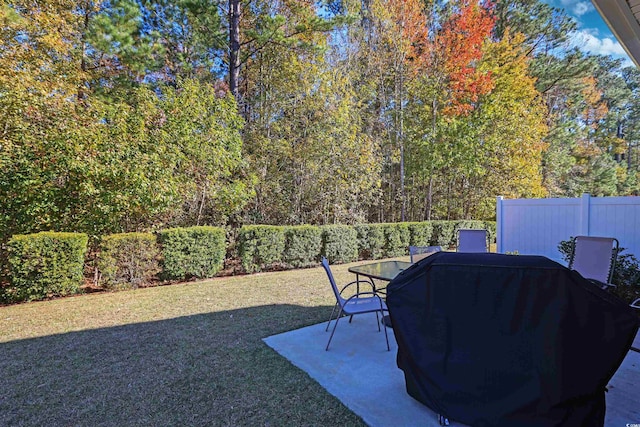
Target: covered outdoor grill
{"type": "Point", "coordinates": [503, 340]}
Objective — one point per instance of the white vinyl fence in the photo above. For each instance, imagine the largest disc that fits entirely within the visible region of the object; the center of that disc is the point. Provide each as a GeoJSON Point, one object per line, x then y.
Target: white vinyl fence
{"type": "Point", "coordinates": [536, 226]}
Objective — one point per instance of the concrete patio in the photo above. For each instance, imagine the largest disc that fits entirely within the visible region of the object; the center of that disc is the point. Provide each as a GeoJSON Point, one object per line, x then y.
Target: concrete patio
{"type": "Point", "coordinates": [361, 373]}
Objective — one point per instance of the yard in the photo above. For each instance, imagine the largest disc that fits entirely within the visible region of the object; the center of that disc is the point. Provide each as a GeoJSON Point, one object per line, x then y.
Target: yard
{"type": "Point", "coordinates": [186, 354]}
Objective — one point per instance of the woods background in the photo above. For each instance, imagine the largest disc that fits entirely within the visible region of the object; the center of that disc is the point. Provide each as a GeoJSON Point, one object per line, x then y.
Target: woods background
{"type": "Point", "coordinates": [131, 115]}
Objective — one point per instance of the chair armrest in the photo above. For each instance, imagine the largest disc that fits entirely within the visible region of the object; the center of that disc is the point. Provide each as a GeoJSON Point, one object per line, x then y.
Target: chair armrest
{"type": "Point", "coordinates": [356, 282]}
{"type": "Point", "coordinates": [360, 294]}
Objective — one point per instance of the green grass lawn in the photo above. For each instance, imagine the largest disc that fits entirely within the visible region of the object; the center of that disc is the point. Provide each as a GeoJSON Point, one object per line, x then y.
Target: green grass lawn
{"type": "Point", "coordinates": [184, 355]}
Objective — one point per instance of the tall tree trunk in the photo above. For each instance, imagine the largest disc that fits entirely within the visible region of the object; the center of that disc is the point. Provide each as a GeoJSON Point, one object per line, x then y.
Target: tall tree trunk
{"type": "Point", "coordinates": [434, 122]}
{"type": "Point", "coordinates": [83, 61]}
{"type": "Point", "coordinates": [234, 48]}
{"type": "Point", "coordinates": [402, 192]}
{"type": "Point", "coordinates": [200, 209]}
{"type": "Point", "coordinates": [429, 198]}
{"type": "Point", "coordinates": [620, 134]}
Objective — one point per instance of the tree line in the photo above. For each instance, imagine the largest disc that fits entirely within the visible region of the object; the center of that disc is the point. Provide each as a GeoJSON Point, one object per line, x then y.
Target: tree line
{"type": "Point", "coordinates": [131, 115]}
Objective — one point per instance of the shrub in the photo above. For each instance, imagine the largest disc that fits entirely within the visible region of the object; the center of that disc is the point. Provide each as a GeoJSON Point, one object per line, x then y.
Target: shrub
{"type": "Point", "coordinates": [260, 246]}
{"type": "Point", "coordinates": [397, 238]}
{"type": "Point", "coordinates": [443, 233]}
{"type": "Point", "coordinates": [370, 240]}
{"type": "Point", "coordinates": [128, 260]}
{"type": "Point", "coordinates": [4, 267]}
{"type": "Point", "coordinates": [339, 243]}
{"type": "Point", "coordinates": [420, 233]}
{"type": "Point", "coordinates": [191, 252]}
{"type": "Point", "coordinates": [627, 271]}
{"type": "Point", "coordinates": [491, 227]}
{"type": "Point", "coordinates": [565, 247]}
{"type": "Point", "coordinates": [303, 245]}
{"type": "Point", "coordinates": [467, 224]}
{"type": "Point", "coordinates": [44, 265]}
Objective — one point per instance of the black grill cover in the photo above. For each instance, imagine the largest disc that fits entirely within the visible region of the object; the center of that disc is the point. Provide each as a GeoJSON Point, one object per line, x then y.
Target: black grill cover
{"type": "Point", "coordinates": [503, 340]}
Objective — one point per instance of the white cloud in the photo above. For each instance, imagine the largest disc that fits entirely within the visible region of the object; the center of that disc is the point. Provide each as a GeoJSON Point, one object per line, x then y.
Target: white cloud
{"type": "Point", "coordinates": [588, 42]}
{"type": "Point", "coordinates": [578, 8]}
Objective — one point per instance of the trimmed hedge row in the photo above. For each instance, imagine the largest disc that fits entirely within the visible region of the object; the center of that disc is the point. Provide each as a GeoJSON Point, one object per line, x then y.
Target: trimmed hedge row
{"type": "Point", "coordinates": [136, 259]}
{"type": "Point", "coordinates": [370, 240]}
{"type": "Point", "coordinates": [194, 252]}
{"type": "Point", "coordinates": [45, 265]}
{"type": "Point", "coordinates": [339, 243]}
{"type": "Point", "coordinates": [260, 246]}
{"type": "Point", "coordinates": [268, 247]}
{"type": "Point", "coordinates": [51, 264]}
{"type": "Point", "coordinates": [128, 260]}
{"type": "Point", "coordinates": [303, 245]}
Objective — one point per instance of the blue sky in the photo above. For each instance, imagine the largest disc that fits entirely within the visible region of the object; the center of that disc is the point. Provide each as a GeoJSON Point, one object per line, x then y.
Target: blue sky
{"type": "Point", "coordinates": [593, 34]}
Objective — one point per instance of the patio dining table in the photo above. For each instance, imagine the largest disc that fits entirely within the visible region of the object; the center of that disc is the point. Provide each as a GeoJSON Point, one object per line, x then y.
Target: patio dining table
{"type": "Point", "coordinates": [381, 270]}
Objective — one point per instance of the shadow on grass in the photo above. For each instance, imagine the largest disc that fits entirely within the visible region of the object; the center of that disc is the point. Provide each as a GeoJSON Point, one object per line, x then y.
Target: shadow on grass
{"type": "Point", "coordinates": [207, 369]}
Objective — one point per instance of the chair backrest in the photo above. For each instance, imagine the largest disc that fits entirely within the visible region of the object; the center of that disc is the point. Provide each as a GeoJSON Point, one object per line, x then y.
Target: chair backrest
{"type": "Point", "coordinates": [336, 291]}
{"type": "Point", "coordinates": [594, 257]}
{"type": "Point", "coordinates": [420, 252]}
{"type": "Point", "coordinates": [472, 240]}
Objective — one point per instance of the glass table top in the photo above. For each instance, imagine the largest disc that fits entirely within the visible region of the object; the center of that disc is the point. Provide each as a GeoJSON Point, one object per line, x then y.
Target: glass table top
{"type": "Point", "coordinates": [383, 270]}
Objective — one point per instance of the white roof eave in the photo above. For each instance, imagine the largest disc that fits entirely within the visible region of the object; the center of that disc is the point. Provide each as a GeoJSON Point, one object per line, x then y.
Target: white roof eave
{"type": "Point", "coordinates": [624, 25]}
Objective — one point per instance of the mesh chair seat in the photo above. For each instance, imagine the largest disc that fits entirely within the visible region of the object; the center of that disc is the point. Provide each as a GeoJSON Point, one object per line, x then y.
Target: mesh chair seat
{"type": "Point", "coordinates": [363, 304]}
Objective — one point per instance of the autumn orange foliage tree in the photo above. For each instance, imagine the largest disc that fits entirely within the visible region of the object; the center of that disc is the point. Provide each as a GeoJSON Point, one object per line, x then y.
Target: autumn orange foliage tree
{"type": "Point", "coordinates": [458, 46]}
{"type": "Point", "coordinates": [449, 86]}
{"type": "Point", "coordinates": [351, 110]}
